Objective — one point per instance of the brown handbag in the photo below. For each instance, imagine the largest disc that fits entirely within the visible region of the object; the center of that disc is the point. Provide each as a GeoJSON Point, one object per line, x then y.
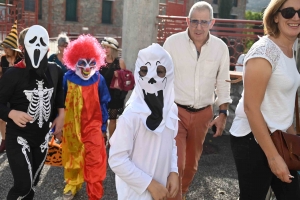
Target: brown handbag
{"type": "Point", "coordinates": [288, 145]}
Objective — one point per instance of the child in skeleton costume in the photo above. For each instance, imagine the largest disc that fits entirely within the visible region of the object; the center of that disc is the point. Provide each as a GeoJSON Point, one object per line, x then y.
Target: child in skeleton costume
{"type": "Point", "coordinates": [30, 89]}
{"type": "Point", "coordinates": [143, 152]}
{"type": "Point", "coordinates": [84, 155]}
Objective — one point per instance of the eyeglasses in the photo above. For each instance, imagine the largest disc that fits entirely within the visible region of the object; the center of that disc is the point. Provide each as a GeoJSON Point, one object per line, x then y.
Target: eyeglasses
{"type": "Point", "coordinates": [289, 13]}
{"type": "Point", "coordinates": [203, 23]}
{"type": "Point", "coordinates": [84, 62]}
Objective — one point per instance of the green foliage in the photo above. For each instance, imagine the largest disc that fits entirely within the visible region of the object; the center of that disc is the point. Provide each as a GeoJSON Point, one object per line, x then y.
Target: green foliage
{"type": "Point", "coordinates": [225, 9]}
{"type": "Point", "coordinates": [253, 15]}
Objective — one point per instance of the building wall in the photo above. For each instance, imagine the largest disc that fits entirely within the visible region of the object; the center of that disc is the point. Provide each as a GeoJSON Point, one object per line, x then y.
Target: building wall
{"type": "Point", "coordinates": [89, 14]}
{"type": "Point", "coordinates": [238, 11]}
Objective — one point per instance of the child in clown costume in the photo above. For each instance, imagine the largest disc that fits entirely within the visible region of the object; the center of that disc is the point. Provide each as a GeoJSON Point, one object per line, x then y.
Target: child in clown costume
{"type": "Point", "coordinates": [87, 96]}
{"type": "Point", "coordinates": [143, 152]}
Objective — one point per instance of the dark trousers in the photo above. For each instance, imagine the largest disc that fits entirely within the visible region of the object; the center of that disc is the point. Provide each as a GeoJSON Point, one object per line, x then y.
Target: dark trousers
{"type": "Point", "coordinates": [254, 175]}
{"type": "Point", "coordinates": [26, 161]}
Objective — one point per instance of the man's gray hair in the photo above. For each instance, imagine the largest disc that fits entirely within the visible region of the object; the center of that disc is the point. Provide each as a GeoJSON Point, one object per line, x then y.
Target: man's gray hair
{"type": "Point", "coordinates": [201, 5]}
{"type": "Point", "coordinates": [62, 39]}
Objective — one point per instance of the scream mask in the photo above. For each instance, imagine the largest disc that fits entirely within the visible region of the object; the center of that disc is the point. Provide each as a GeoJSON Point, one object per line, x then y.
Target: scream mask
{"type": "Point", "coordinates": [84, 56]}
{"type": "Point", "coordinates": [36, 43]}
{"type": "Point", "coordinates": [153, 94]}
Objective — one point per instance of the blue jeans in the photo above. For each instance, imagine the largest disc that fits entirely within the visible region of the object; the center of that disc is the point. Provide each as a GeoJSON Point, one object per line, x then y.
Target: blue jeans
{"type": "Point", "coordinates": [254, 175]}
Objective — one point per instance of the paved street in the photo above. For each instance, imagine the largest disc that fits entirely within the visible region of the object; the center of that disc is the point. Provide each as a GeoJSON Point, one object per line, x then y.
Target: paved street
{"type": "Point", "coordinates": [216, 177]}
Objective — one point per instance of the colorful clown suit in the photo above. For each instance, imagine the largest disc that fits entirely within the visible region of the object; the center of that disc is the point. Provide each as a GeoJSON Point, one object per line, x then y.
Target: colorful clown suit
{"type": "Point", "coordinates": [84, 155]}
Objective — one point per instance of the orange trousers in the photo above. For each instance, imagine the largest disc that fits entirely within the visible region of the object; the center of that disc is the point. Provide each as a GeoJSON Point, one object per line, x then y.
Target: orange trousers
{"type": "Point", "coordinates": [193, 127]}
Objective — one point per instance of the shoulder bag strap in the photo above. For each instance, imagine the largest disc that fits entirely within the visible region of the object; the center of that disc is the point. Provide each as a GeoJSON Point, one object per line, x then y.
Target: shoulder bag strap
{"type": "Point", "coordinates": [297, 114]}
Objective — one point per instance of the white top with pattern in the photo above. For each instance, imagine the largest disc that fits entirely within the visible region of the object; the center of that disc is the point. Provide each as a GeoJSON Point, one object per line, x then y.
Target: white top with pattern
{"type": "Point", "coordinates": [279, 101]}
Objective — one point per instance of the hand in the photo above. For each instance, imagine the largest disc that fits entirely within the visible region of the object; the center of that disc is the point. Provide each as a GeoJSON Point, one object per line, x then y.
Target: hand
{"type": "Point", "coordinates": [157, 190]}
{"type": "Point", "coordinates": [279, 168]}
{"type": "Point", "coordinates": [219, 122]}
{"type": "Point", "coordinates": [58, 123]}
{"type": "Point", "coordinates": [19, 117]}
{"type": "Point", "coordinates": [172, 184]}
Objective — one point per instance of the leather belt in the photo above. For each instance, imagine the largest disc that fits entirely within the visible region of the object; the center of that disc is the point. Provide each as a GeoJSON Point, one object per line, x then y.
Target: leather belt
{"type": "Point", "coordinates": [191, 109]}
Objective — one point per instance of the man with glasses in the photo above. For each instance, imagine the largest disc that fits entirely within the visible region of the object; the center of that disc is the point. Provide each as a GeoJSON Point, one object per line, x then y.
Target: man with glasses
{"type": "Point", "coordinates": [201, 63]}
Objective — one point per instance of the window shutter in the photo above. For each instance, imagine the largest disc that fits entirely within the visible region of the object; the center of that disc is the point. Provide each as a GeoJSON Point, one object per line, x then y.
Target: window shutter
{"type": "Point", "coordinates": [106, 12]}
{"type": "Point", "coordinates": [71, 10]}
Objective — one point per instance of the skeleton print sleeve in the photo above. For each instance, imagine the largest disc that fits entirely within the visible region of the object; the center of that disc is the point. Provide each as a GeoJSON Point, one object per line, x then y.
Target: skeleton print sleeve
{"type": "Point", "coordinates": [60, 98]}
{"type": "Point", "coordinates": [6, 91]}
{"type": "Point", "coordinates": [104, 98]}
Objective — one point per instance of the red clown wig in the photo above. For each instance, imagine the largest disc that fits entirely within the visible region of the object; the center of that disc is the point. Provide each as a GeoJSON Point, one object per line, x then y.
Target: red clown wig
{"type": "Point", "coordinates": [85, 47]}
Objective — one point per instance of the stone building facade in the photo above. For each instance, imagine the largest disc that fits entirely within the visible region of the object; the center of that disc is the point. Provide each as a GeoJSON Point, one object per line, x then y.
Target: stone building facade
{"type": "Point", "coordinates": [97, 17]}
{"type": "Point", "coordinates": [237, 12]}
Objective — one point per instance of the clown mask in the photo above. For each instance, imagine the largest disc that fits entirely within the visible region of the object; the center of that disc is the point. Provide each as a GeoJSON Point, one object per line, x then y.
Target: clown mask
{"type": "Point", "coordinates": [85, 68]}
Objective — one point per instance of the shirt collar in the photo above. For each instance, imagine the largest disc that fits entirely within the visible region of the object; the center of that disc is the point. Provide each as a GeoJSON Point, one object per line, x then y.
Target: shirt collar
{"type": "Point", "coordinates": [189, 39]}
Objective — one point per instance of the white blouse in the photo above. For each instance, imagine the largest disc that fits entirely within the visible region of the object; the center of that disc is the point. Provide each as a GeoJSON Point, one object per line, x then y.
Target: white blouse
{"type": "Point", "coordinates": [279, 101]}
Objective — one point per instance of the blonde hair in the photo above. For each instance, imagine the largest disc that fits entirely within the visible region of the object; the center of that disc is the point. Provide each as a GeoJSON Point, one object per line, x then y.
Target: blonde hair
{"type": "Point", "coordinates": [270, 26]}
{"type": "Point", "coordinates": [114, 53]}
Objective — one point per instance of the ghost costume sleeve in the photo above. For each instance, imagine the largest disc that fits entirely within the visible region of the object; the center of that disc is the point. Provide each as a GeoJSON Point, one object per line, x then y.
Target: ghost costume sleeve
{"type": "Point", "coordinates": [104, 99]}
{"type": "Point", "coordinates": [174, 166]}
{"type": "Point", "coordinates": [122, 143]}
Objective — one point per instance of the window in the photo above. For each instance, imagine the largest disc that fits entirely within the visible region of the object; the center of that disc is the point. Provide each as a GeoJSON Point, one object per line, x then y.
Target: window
{"type": "Point", "coordinates": [233, 16]}
{"type": "Point", "coordinates": [71, 10]}
{"type": "Point", "coordinates": [29, 5]}
{"type": "Point", "coordinates": [106, 12]}
{"type": "Point", "coordinates": [40, 9]}
{"type": "Point", "coordinates": [216, 15]}
{"type": "Point", "coordinates": [215, 1]}
{"type": "Point", "coordinates": [235, 3]}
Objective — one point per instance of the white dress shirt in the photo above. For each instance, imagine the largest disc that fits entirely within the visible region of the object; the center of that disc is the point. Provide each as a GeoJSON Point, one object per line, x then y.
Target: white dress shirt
{"type": "Point", "coordinates": [196, 79]}
{"type": "Point", "coordinates": [138, 155]}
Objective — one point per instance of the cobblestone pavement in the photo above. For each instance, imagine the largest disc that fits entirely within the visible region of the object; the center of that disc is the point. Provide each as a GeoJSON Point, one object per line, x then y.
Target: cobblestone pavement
{"type": "Point", "coordinates": [216, 178]}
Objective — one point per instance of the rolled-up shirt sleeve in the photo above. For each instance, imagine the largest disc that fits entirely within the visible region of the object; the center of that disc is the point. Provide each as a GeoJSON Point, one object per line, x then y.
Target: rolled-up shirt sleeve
{"type": "Point", "coordinates": [122, 143]}
{"type": "Point", "coordinates": [222, 86]}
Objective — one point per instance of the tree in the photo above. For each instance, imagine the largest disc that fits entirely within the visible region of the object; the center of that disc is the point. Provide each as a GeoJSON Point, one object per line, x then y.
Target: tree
{"type": "Point", "coordinates": [225, 9]}
{"type": "Point", "coordinates": [253, 15]}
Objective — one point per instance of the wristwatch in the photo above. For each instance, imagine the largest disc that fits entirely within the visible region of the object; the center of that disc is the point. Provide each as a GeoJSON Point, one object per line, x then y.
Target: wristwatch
{"type": "Point", "coordinates": [225, 112]}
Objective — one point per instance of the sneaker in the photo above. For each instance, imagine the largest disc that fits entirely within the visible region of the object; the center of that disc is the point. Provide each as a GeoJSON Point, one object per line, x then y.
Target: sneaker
{"type": "Point", "coordinates": [68, 196]}
{"type": "Point", "coordinates": [2, 146]}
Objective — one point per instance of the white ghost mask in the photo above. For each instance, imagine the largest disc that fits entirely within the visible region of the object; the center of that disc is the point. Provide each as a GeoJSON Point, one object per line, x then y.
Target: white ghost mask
{"type": "Point", "coordinates": [153, 95]}
{"type": "Point", "coordinates": [36, 44]}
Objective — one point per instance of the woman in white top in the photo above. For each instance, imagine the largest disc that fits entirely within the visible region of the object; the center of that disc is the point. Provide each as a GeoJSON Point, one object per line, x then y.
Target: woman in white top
{"type": "Point", "coordinates": [271, 80]}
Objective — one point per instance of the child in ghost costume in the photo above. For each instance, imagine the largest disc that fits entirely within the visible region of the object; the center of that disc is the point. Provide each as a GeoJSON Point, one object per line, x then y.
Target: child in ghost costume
{"type": "Point", "coordinates": [83, 148]}
{"type": "Point", "coordinates": [30, 89]}
{"type": "Point", "coordinates": [143, 152]}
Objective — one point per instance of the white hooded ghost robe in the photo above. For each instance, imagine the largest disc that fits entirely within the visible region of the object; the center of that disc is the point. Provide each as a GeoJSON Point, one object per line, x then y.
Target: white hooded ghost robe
{"type": "Point", "coordinates": [143, 146]}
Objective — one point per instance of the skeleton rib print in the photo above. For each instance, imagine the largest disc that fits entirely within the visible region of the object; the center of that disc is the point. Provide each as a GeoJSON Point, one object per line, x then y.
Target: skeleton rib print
{"type": "Point", "coordinates": [40, 105]}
